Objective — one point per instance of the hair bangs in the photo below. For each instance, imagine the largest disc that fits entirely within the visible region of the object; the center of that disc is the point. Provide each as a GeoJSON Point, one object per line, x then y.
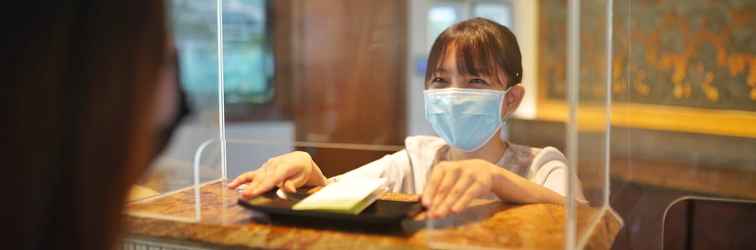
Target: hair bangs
{"type": "Point", "coordinates": [475, 59]}
{"type": "Point", "coordinates": [481, 48]}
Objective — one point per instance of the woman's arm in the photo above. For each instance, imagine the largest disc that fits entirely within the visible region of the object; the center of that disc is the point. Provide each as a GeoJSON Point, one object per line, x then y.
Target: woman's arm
{"type": "Point", "coordinates": [296, 169]}
{"type": "Point", "coordinates": [454, 184]}
{"type": "Point", "coordinates": [514, 188]}
{"type": "Point", "coordinates": [289, 172]}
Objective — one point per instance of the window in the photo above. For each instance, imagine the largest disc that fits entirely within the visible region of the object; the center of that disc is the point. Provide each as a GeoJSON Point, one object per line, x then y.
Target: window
{"type": "Point", "coordinates": [444, 13]}
{"type": "Point", "coordinates": [248, 60]}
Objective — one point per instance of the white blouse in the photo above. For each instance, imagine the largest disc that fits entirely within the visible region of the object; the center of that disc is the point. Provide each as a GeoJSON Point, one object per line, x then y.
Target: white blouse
{"type": "Point", "coordinates": [406, 171]}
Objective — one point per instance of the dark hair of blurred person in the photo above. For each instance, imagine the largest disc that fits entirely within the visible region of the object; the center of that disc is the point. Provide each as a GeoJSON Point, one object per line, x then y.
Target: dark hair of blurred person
{"type": "Point", "coordinates": [81, 84]}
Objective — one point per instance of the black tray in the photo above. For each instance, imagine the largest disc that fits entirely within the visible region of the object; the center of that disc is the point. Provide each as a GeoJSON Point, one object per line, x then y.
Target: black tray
{"type": "Point", "coordinates": [382, 213]}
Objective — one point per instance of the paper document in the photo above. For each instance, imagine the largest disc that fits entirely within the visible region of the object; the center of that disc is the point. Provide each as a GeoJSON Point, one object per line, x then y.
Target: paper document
{"type": "Point", "coordinates": [348, 195]}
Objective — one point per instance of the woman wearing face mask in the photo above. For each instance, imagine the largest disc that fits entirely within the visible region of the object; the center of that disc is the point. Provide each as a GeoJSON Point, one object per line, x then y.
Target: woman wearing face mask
{"type": "Point", "coordinates": [471, 89]}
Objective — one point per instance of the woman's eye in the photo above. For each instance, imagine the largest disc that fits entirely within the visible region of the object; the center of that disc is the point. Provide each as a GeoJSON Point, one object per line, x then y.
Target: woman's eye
{"type": "Point", "coordinates": [478, 81]}
{"type": "Point", "coordinates": [439, 79]}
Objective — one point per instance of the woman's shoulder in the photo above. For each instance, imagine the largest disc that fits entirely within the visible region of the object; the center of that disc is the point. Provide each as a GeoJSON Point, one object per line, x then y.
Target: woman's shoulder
{"type": "Point", "coordinates": [547, 154]}
{"type": "Point", "coordinates": [540, 162]}
{"type": "Point", "coordinates": [526, 160]}
{"type": "Point", "coordinates": [536, 154]}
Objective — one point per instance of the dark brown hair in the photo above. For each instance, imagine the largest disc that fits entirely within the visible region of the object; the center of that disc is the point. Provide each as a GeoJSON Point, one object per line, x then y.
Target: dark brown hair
{"type": "Point", "coordinates": [482, 46]}
{"type": "Point", "coordinates": [80, 79]}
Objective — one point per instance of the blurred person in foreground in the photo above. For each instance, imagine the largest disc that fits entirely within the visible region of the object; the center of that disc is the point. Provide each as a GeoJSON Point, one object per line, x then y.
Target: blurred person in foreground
{"type": "Point", "coordinates": [91, 97]}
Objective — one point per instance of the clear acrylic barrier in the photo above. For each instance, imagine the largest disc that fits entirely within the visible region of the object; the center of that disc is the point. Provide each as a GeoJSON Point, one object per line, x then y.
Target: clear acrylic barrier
{"type": "Point", "coordinates": [588, 141]}
{"type": "Point", "coordinates": [683, 157]}
{"type": "Point", "coordinates": [194, 27]}
{"type": "Point", "coordinates": [302, 76]}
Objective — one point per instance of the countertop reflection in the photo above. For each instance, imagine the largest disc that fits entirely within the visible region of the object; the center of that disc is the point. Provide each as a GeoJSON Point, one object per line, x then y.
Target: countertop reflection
{"type": "Point", "coordinates": [486, 224]}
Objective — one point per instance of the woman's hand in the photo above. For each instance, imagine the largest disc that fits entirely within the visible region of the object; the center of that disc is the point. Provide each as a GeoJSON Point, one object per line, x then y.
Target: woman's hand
{"type": "Point", "coordinates": [289, 172]}
{"type": "Point", "coordinates": [454, 184]}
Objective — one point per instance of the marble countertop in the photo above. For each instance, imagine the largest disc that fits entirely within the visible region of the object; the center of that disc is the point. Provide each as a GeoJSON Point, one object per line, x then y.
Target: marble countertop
{"type": "Point", "coordinates": [486, 224]}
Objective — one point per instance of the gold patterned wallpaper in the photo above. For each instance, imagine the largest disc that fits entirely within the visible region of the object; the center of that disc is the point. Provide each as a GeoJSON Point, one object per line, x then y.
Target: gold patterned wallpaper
{"type": "Point", "coordinates": [697, 55]}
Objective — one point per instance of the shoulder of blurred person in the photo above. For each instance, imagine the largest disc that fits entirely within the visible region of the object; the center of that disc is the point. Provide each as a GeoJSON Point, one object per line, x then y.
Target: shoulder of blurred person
{"type": "Point", "coordinates": [80, 78]}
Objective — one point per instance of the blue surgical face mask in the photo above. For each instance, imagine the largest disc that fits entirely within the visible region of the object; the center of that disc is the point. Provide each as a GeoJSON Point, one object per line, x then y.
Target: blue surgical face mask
{"type": "Point", "coordinates": [466, 118]}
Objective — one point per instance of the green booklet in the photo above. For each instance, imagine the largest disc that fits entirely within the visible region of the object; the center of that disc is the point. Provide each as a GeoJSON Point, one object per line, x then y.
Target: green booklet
{"type": "Point", "coordinates": [347, 195]}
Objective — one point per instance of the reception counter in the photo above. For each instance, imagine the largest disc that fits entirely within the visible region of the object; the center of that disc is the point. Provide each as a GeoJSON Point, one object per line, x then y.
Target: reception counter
{"type": "Point", "coordinates": [224, 224]}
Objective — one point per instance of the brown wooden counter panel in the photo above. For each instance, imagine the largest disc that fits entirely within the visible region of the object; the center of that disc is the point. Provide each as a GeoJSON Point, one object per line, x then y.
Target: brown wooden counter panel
{"type": "Point", "coordinates": [486, 224]}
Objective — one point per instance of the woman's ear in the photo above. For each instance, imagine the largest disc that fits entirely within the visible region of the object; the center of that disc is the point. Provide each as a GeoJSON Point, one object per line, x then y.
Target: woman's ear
{"type": "Point", "coordinates": [512, 100]}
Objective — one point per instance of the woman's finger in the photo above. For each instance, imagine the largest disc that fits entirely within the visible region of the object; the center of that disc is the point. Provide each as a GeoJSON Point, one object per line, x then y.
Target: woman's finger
{"type": "Point", "coordinates": [244, 178]}
{"type": "Point", "coordinates": [249, 192]}
{"type": "Point", "coordinates": [262, 174]}
{"type": "Point", "coordinates": [288, 186]}
{"type": "Point", "coordinates": [277, 175]}
{"type": "Point", "coordinates": [437, 175]}
{"type": "Point", "coordinates": [263, 185]}
{"type": "Point", "coordinates": [445, 186]}
{"type": "Point", "coordinates": [293, 182]}
{"type": "Point", "coordinates": [457, 191]}
{"type": "Point", "coordinates": [247, 177]}
{"type": "Point", "coordinates": [475, 191]}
